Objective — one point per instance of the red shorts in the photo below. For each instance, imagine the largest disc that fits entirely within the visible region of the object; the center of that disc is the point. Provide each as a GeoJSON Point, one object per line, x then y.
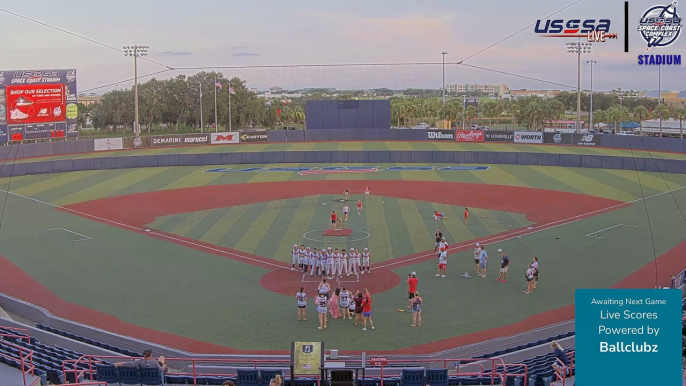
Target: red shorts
{"type": "Point", "coordinates": [441, 266]}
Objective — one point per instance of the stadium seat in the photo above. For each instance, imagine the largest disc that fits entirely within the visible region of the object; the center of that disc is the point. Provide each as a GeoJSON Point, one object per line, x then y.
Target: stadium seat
{"type": "Point", "coordinates": [267, 375]}
{"type": "Point", "coordinates": [128, 376]}
{"type": "Point", "coordinates": [107, 373]}
{"type": "Point", "coordinates": [248, 377]}
{"type": "Point", "coordinates": [368, 382]}
{"type": "Point", "coordinates": [437, 377]}
{"type": "Point", "coordinates": [151, 376]}
{"type": "Point", "coordinates": [178, 380]}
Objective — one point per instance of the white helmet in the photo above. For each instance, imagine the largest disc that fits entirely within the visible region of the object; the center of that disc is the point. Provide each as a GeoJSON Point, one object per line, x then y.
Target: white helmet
{"type": "Point", "coordinates": [366, 249]}
{"type": "Point", "coordinates": [329, 248]}
{"type": "Point", "coordinates": [295, 245]}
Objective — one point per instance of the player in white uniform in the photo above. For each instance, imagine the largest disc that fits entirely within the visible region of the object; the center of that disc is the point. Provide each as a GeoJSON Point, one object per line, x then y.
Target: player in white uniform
{"type": "Point", "coordinates": [344, 300]}
{"type": "Point", "coordinates": [358, 261]}
{"type": "Point", "coordinates": [321, 302]}
{"type": "Point", "coordinates": [345, 261]}
{"type": "Point", "coordinates": [306, 260]}
{"type": "Point", "coordinates": [365, 261]}
{"type": "Point", "coordinates": [329, 264]}
{"type": "Point", "coordinates": [337, 264]}
{"type": "Point", "coordinates": [301, 298]}
{"type": "Point", "coordinates": [352, 265]}
{"type": "Point", "coordinates": [295, 256]}
{"type": "Point", "coordinates": [442, 261]}
{"type": "Point", "coordinates": [314, 261]}
{"type": "Point", "coordinates": [301, 256]}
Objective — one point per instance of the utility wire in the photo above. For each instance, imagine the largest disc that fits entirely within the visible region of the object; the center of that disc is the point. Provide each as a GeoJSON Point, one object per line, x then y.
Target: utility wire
{"type": "Point", "coordinates": [519, 76]}
{"type": "Point", "coordinates": [77, 35]}
{"type": "Point", "coordinates": [516, 33]}
{"type": "Point", "coordinates": [126, 80]}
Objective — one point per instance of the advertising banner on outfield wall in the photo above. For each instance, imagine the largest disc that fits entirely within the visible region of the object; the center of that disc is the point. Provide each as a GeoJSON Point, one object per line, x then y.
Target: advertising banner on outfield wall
{"type": "Point", "coordinates": [586, 139]}
{"type": "Point", "coordinates": [557, 138]}
{"type": "Point", "coordinates": [166, 140]}
{"type": "Point", "coordinates": [224, 138]}
{"type": "Point", "coordinates": [499, 136]}
{"type": "Point", "coordinates": [195, 139]}
{"type": "Point", "coordinates": [255, 136]}
{"type": "Point", "coordinates": [528, 137]}
{"type": "Point", "coordinates": [3, 134]}
{"type": "Point", "coordinates": [137, 142]}
{"type": "Point", "coordinates": [108, 144]}
{"type": "Point", "coordinates": [440, 135]}
{"type": "Point", "coordinates": [469, 135]}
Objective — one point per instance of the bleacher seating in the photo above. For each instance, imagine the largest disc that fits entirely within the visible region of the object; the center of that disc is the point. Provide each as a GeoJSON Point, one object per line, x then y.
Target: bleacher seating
{"type": "Point", "coordinates": [89, 341]}
{"type": "Point", "coordinates": [499, 353]}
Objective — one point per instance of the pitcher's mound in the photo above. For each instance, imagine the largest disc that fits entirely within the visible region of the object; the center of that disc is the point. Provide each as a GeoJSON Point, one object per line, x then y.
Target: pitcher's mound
{"type": "Point", "coordinates": [337, 232]}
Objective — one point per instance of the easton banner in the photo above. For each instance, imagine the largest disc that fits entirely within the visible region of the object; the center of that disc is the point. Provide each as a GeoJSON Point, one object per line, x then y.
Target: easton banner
{"type": "Point", "coordinates": [528, 137]}
{"type": "Point", "coordinates": [499, 136]}
{"type": "Point", "coordinates": [254, 136]}
{"type": "Point", "coordinates": [38, 104]}
{"type": "Point", "coordinates": [440, 135]}
{"type": "Point", "coordinates": [469, 135]}
{"type": "Point", "coordinates": [224, 138]}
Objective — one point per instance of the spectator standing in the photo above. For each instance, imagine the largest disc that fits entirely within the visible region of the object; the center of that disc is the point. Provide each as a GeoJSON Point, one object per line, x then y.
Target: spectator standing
{"type": "Point", "coordinates": [529, 278]}
{"type": "Point", "coordinates": [477, 259]}
{"type": "Point", "coordinates": [412, 287]}
{"type": "Point", "coordinates": [333, 219]}
{"type": "Point", "coordinates": [358, 307]}
{"type": "Point", "coordinates": [483, 258]}
{"type": "Point", "coordinates": [534, 265]}
{"type": "Point", "coordinates": [333, 304]}
{"type": "Point", "coordinates": [504, 264]}
{"type": "Point", "coordinates": [417, 310]}
{"type": "Point", "coordinates": [367, 310]}
{"type": "Point", "coordinates": [439, 236]}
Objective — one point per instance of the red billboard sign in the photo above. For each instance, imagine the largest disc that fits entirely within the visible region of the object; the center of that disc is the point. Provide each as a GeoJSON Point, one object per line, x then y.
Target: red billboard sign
{"type": "Point", "coordinates": [37, 103]}
{"type": "Point", "coordinates": [469, 135]}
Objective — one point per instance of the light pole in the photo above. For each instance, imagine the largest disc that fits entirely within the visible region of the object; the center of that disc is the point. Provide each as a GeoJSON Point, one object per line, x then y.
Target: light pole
{"type": "Point", "coordinates": [659, 93]}
{"type": "Point", "coordinates": [443, 54]}
{"type": "Point", "coordinates": [578, 49]}
{"type": "Point", "coordinates": [590, 110]}
{"type": "Point", "coordinates": [136, 52]}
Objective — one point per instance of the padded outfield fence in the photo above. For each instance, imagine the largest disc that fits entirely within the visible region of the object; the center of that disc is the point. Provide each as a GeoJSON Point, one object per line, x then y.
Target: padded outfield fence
{"type": "Point", "coordinates": [107, 161]}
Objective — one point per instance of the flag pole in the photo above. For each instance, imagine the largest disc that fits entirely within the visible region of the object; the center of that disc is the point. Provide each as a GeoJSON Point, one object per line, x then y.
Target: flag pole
{"type": "Point", "coordinates": [201, 128]}
{"type": "Point", "coordinates": [216, 124]}
{"type": "Point", "coordinates": [229, 104]}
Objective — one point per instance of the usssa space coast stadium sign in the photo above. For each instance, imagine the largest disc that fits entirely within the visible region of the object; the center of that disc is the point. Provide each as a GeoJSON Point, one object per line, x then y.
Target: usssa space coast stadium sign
{"type": "Point", "coordinates": [38, 104]}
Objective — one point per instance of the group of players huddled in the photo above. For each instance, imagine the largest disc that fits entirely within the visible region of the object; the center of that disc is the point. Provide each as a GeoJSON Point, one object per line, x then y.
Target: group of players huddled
{"type": "Point", "coordinates": [330, 263]}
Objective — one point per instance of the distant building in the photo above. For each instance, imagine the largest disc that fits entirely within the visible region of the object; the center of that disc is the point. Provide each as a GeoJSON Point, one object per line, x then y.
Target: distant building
{"type": "Point", "coordinates": [89, 100]}
{"type": "Point", "coordinates": [275, 89]}
{"type": "Point", "coordinates": [253, 90]}
{"type": "Point", "coordinates": [497, 89]}
{"type": "Point", "coordinates": [515, 94]}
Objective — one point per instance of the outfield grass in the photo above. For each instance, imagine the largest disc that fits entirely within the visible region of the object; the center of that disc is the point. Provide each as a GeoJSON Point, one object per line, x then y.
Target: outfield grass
{"type": "Point", "coordinates": [341, 146]}
{"type": "Point", "coordinates": [390, 227]}
{"type": "Point", "coordinates": [152, 283]}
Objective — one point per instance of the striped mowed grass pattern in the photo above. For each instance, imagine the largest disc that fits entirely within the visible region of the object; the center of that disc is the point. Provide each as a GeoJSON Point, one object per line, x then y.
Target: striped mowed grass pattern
{"type": "Point", "coordinates": [390, 227]}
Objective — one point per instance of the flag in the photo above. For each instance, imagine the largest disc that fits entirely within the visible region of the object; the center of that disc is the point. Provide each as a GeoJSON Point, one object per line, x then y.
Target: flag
{"type": "Point", "coordinates": [231, 90]}
{"type": "Point", "coordinates": [217, 84]}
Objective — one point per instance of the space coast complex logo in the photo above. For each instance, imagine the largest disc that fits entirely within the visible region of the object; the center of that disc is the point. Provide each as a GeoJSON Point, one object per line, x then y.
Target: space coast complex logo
{"type": "Point", "coordinates": [660, 26]}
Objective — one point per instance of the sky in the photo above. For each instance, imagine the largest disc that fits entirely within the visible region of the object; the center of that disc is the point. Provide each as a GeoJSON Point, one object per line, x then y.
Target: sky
{"type": "Point", "coordinates": [237, 33]}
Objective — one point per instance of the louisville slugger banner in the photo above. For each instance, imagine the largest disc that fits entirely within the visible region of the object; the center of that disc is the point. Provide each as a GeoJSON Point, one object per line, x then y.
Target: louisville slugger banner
{"type": "Point", "coordinates": [586, 139]}
{"type": "Point", "coordinates": [195, 139]}
{"type": "Point", "coordinates": [469, 135]}
{"type": "Point", "coordinates": [166, 140]}
{"type": "Point", "coordinates": [38, 104]}
{"type": "Point", "coordinates": [105, 144]}
{"type": "Point", "coordinates": [255, 136]}
{"type": "Point", "coordinates": [528, 137]}
{"type": "Point", "coordinates": [440, 135]}
{"type": "Point", "coordinates": [224, 138]}
{"type": "Point", "coordinates": [557, 138]}
{"type": "Point", "coordinates": [499, 136]}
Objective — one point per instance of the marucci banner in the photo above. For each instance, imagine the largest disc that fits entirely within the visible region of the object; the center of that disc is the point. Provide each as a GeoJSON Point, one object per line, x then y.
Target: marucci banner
{"type": "Point", "coordinates": [224, 138]}
{"type": "Point", "coordinates": [195, 139]}
{"type": "Point", "coordinates": [469, 135]}
{"type": "Point", "coordinates": [499, 136]}
{"type": "Point", "coordinates": [440, 135]}
{"type": "Point", "coordinates": [528, 137]}
{"type": "Point", "coordinates": [255, 136]}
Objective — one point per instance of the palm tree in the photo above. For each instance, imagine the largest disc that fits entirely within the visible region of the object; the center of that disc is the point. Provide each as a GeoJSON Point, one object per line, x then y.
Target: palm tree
{"type": "Point", "coordinates": [680, 114]}
{"type": "Point", "coordinates": [618, 114]}
{"type": "Point", "coordinates": [662, 112]}
{"type": "Point", "coordinates": [491, 109]}
{"type": "Point", "coordinates": [600, 116]}
{"type": "Point", "coordinates": [640, 114]}
{"type": "Point", "coordinates": [470, 114]}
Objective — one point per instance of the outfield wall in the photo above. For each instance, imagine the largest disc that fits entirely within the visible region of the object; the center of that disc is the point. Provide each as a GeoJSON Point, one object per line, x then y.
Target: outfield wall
{"type": "Point", "coordinates": [347, 157]}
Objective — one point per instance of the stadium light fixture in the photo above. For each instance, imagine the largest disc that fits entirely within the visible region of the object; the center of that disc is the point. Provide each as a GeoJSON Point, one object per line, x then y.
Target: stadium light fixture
{"type": "Point", "coordinates": [443, 54]}
{"type": "Point", "coordinates": [137, 52]}
{"type": "Point", "coordinates": [578, 48]}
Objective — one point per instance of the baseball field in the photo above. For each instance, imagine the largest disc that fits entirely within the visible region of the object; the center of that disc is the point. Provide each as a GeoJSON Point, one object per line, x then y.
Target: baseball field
{"type": "Point", "coordinates": [199, 257]}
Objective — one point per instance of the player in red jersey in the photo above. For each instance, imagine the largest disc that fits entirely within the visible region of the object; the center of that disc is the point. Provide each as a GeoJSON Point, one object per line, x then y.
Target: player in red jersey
{"type": "Point", "coordinates": [359, 207]}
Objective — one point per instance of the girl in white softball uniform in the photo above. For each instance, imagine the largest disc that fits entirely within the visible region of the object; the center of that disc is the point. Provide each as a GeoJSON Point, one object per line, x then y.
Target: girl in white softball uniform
{"type": "Point", "coordinates": [329, 264]}
{"type": "Point", "coordinates": [338, 264]}
{"type": "Point", "coordinates": [295, 256]}
{"type": "Point", "coordinates": [365, 261]}
{"type": "Point", "coordinates": [314, 261]}
{"type": "Point", "coordinates": [352, 263]}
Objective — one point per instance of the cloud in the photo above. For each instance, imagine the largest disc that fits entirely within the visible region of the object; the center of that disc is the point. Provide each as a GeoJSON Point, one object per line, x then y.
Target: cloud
{"type": "Point", "coordinates": [245, 54]}
{"type": "Point", "coordinates": [176, 53]}
{"type": "Point", "coordinates": [236, 48]}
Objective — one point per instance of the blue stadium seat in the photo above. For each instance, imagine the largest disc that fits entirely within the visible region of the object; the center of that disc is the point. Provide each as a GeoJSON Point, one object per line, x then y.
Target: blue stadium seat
{"type": "Point", "coordinates": [128, 376]}
{"type": "Point", "coordinates": [368, 382]}
{"type": "Point", "coordinates": [178, 380]}
{"type": "Point", "coordinates": [216, 380]}
{"type": "Point", "coordinates": [412, 378]}
{"type": "Point", "coordinates": [437, 377]}
{"type": "Point", "coordinates": [151, 376]}
{"type": "Point", "coordinates": [267, 375]}
{"type": "Point", "coordinates": [55, 377]}
{"type": "Point", "coordinates": [248, 377]}
{"type": "Point", "coordinates": [107, 373]}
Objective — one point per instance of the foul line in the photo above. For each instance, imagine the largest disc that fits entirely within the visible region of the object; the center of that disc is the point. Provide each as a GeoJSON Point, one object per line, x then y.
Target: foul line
{"type": "Point", "coordinates": [72, 232]}
{"type": "Point", "coordinates": [144, 230]}
{"type": "Point", "coordinates": [501, 239]}
{"type": "Point", "coordinates": [612, 227]}
{"type": "Point", "coordinates": [539, 228]}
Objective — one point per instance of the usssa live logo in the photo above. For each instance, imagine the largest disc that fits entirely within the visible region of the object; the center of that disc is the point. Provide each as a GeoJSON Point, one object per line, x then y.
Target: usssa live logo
{"type": "Point", "coordinates": [660, 26]}
{"type": "Point", "coordinates": [592, 30]}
